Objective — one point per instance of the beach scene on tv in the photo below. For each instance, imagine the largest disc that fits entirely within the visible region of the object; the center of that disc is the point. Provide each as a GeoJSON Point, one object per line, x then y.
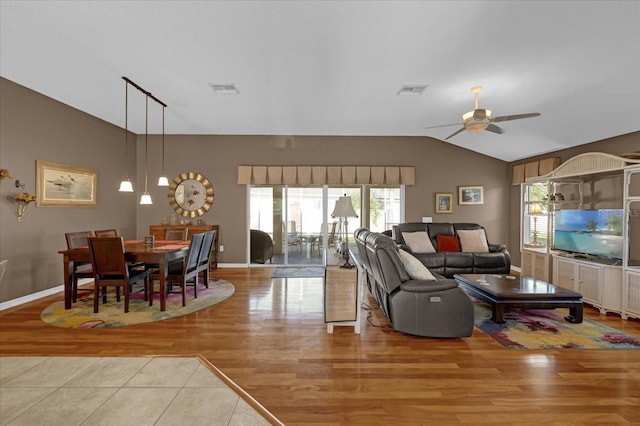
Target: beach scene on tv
{"type": "Point", "coordinates": [589, 232]}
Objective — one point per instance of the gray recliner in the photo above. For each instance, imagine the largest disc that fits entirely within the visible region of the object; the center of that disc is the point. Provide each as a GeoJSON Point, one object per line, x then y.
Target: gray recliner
{"type": "Point", "coordinates": [424, 308]}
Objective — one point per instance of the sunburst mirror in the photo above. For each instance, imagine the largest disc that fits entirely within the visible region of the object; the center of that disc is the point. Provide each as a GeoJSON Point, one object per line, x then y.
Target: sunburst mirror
{"type": "Point", "coordinates": [190, 194]}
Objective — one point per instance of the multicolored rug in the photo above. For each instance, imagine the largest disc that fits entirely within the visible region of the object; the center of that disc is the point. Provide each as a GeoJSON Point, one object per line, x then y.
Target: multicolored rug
{"type": "Point", "coordinates": [547, 329]}
{"type": "Point", "coordinates": [298, 272]}
{"type": "Point", "coordinates": [112, 313]}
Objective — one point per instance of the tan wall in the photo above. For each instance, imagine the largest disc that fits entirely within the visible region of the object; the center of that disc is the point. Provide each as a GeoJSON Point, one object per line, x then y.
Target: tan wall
{"type": "Point", "coordinates": [36, 127]}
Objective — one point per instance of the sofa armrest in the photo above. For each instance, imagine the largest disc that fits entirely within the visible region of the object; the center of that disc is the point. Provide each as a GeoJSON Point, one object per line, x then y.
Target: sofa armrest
{"type": "Point", "coordinates": [424, 286]}
{"type": "Point", "coordinates": [497, 247]}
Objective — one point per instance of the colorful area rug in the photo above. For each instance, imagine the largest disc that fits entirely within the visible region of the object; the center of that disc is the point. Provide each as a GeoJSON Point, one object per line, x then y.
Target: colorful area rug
{"type": "Point", "coordinates": [547, 329]}
{"type": "Point", "coordinates": [112, 313]}
{"type": "Point", "coordinates": [298, 272]}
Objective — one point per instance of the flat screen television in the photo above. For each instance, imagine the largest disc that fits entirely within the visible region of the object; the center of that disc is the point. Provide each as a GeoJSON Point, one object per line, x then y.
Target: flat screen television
{"type": "Point", "coordinates": [589, 232]}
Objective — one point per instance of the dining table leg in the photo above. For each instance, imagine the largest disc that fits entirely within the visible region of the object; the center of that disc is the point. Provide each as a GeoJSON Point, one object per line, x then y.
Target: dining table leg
{"type": "Point", "coordinates": [164, 270]}
{"type": "Point", "coordinates": [67, 270]}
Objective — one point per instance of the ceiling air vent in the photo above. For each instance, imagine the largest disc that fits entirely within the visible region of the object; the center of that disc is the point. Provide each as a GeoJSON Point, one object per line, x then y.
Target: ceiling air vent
{"type": "Point", "coordinates": [224, 88]}
{"type": "Point", "coordinates": [413, 89]}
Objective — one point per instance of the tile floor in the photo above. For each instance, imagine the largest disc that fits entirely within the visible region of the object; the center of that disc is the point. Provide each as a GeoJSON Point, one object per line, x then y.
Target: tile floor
{"type": "Point", "coordinates": [117, 391]}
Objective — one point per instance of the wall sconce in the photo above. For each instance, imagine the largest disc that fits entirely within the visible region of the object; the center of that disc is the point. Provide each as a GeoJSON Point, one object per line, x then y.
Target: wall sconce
{"type": "Point", "coordinates": [4, 174]}
{"type": "Point", "coordinates": [23, 199]}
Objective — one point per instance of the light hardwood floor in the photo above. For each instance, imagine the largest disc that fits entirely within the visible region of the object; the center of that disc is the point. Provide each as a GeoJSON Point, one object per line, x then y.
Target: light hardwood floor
{"type": "Point", "coordinates": [270, 339]}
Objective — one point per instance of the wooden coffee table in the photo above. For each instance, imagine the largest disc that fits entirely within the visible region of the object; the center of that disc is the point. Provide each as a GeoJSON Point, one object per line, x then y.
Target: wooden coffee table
{"type": "Point", "coordinates": [504, 292]}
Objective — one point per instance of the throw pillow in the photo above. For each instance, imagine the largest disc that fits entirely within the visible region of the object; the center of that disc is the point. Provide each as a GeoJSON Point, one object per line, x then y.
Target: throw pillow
{"type": "Point", "coordinates": [418, 242]}
{"type": "Point", "coordinates": [448, 243]}
{"type": "Point", "coordinates": [473, 240]}
{"type": "Point", "coordinates": [414, 267]}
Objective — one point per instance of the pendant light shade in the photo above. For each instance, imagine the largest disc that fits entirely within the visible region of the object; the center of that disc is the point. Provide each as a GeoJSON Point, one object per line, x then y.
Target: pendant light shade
{"type": "Point", "coordinates": [146, 197]}
{"type": "Point", "coordinates": [162, 180]}
{"type": "Point", "coordinates": [126, 185]}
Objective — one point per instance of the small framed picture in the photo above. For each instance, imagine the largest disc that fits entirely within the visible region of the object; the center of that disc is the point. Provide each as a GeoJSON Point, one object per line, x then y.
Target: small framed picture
{"type": "Point", "coordinates": [444, 202]}
{"type": "Point", "coordinates": [470, 195]}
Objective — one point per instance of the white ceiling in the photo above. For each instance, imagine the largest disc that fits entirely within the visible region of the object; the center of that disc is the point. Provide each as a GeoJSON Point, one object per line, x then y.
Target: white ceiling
{"type": "Point", "coordinates": [335, 67]}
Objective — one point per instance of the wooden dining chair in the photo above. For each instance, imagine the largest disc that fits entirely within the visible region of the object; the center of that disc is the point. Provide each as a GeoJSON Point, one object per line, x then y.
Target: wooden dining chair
{"type": "Point", "coordinates": [111, 270]}
{"type": "Point", "coordinates": [80, 269]}
{"type": "Point", "coordinates": [106, 233]}
{"type": "Point", "coordinates": [184, 271]}
{"type": "Point", "coordinates": [176, 234]}
{"type": "Point", "coordinates": [203, 259]}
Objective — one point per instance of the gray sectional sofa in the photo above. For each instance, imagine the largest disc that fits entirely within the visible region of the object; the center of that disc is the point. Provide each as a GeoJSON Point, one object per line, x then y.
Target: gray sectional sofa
{"type": "Point", "coordinates": [435, 308]}
{"type": "Point", "coordinates": [487, 259]}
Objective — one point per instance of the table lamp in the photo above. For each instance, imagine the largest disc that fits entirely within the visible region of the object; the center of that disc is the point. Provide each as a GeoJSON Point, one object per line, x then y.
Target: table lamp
{"type": "Point", "coordinates": [344, 210]}
{"type": "Point", "coordinates": [535, 210]}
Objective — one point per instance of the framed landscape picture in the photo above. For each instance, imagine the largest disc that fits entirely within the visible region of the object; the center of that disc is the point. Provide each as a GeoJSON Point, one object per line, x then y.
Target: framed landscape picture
{"type": "Point", "coordinates": [470, 195]}
{"type": "Point", "coordinates": [444, 202]}
{"type": "Point", "coordinates": [61, 185]}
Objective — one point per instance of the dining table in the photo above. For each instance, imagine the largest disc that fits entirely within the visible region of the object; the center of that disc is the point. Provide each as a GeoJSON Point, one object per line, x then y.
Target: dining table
{"type": "Point", "coordinates": [160, 254]}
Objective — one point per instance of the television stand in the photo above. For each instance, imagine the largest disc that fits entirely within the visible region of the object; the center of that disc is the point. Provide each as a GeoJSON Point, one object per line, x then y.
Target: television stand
{"type": "Point", "coordinates": [599, 280]}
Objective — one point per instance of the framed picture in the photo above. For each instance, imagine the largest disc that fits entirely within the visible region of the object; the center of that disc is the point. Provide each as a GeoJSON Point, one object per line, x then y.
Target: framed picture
{"type": "Point", "coordinates": [470, 195]}
{"type": "Point", "coordinates": [61, 185]}
{"type": "Point", "coordinates": [444, 202]}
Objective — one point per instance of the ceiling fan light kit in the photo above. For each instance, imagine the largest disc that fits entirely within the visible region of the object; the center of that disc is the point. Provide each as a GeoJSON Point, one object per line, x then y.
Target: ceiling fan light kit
{"type": "Point", "coordinates": [480, 119]}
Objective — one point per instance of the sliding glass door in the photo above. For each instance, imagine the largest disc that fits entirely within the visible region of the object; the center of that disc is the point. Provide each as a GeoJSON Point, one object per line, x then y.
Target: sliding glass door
{"type": "Point", "coordinates": [299, 220]}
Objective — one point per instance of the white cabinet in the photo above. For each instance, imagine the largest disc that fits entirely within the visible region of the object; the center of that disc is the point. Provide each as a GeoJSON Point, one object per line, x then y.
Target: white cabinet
{"type": "Point", "coordinates": [599, 283]}
{"type": "Point", "coordinates": [632, 294]}
{"type": "Point", "coordinates": [535, 265]}
{"type": "Point", "coordinates": [564, 273]}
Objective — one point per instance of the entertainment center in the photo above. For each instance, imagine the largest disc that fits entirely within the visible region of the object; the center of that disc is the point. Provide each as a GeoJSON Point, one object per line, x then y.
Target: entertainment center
{"type": "Point", "coordinates": [580, 225]}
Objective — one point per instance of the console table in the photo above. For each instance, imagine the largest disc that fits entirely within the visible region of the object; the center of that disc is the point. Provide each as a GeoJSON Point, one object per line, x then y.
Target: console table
{"type": "Point", "coordinates": [158, 232]}
{"type": "Point", "coordinates": [343, 296]}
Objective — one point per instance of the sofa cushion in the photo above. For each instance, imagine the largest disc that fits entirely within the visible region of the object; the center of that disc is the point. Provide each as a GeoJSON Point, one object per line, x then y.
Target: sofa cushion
{"type": "Point", "coordinates": [414, 267]}
{"type": "Point", "coordinates": [448, 243]}
{"type": "Point", "coordinates": [418, 242]}
{"type": "Point", "coordinates": [473, 241]}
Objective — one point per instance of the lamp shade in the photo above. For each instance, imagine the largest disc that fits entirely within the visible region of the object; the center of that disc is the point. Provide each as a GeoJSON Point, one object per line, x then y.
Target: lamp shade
{"type": "Point", "coordinates": [163, 181]}
{"type": "Point", "coordinates": [126, 186]}
{"type": "Point", "coordinates": [344, 208]}
{"type": "Point", "coordinates": [535, 209]}
{"type": "Point", "coordinates": [146, 198]}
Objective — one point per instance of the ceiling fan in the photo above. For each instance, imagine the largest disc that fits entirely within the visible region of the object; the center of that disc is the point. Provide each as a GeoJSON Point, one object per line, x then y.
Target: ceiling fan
{"type": "Point", "coordinates": [480, 119]}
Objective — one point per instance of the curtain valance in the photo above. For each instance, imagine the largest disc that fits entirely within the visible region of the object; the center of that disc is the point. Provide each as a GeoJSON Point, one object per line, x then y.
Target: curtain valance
{"type": "Point", "coordinates": [331, 175]}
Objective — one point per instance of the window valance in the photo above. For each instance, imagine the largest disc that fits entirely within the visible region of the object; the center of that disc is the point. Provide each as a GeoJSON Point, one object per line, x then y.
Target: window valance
{"type": "Point", "coordinates": [331, 175]}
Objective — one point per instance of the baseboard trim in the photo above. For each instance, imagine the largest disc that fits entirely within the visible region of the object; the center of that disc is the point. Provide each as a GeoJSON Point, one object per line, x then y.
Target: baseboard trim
{"type": "Point", "coordinates": [53, 290]}
{"type": "Point", "coordinates": [30, 297]}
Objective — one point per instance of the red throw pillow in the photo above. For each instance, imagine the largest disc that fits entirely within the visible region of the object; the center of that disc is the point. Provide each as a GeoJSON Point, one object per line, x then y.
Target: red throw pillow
{"type": "Point", "coordinates": [448, 243]}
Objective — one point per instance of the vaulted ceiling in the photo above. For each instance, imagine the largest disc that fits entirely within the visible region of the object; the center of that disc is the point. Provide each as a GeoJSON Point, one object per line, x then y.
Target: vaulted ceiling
{"type": "Point", "coordinates": [336, 67]}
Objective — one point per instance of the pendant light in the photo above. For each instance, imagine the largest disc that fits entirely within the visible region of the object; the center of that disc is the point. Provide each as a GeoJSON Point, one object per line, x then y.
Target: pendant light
{"type": "Point", "coordinates": [146, 197]}
{"type": "Point", "coordinates": [162, 180]}
{"type": "Point", "coordinates": [125, 185]}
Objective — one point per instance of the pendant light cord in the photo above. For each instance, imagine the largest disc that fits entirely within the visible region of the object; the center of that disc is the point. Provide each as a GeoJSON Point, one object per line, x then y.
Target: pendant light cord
{"type": "Point", "coordinates": [126, 130]}
{"type": "Point", "coordinates": [163, 107]}
{"type": "Point", "coordinates": [146, 141]}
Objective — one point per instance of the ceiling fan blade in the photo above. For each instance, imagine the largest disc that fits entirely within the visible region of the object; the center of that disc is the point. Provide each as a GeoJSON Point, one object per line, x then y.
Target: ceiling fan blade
{"type": "Point", "coordinates": [454, 133]}
{"type": "Point", "coordinates": [444, 125]}
{"type": "Point", "coordinates": [495, 129]}
{"type": "Point", "coordinates": [515, 117]}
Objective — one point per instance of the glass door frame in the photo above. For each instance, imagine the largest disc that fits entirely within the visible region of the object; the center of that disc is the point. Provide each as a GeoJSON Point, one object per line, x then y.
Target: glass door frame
{"type": "Point", "coordinates": [364, 217]}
